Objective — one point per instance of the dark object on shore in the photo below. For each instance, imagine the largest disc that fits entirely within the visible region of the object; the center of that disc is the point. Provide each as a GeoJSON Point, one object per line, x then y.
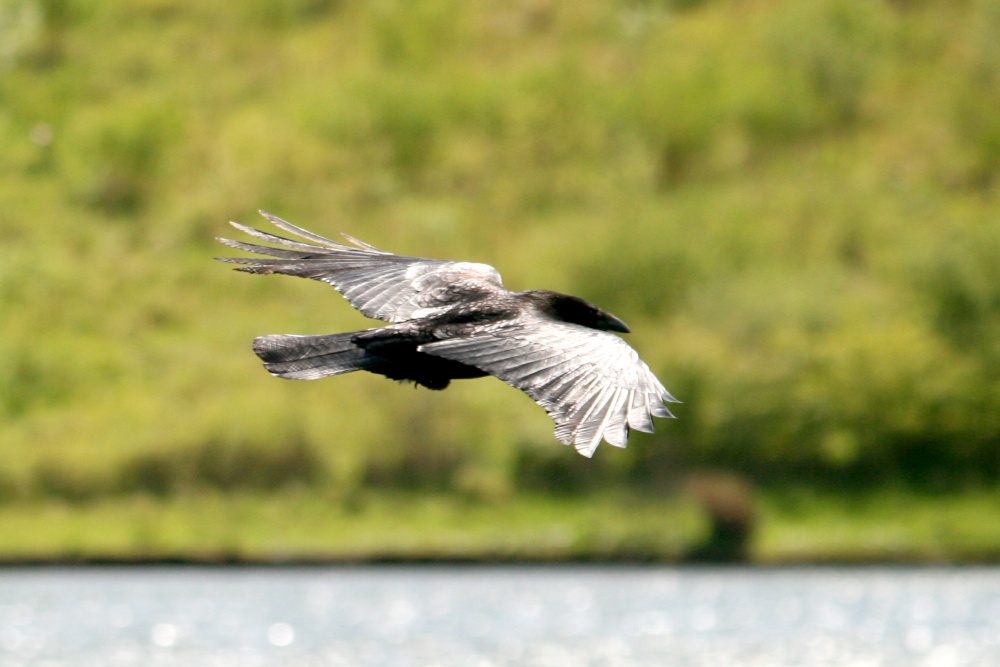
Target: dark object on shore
{"type": "Point", "coordinates": [728, 502]}
{"type": "Point", "coordinates": [454, 320]}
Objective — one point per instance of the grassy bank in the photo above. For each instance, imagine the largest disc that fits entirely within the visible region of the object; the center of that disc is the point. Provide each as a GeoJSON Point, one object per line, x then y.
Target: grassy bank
{"type": "Point", "coordinates": [892, 525]}
{"type": "Point", "coordinates": [296, 525]}
{"type": "Point", "coordinates": [793, 526]}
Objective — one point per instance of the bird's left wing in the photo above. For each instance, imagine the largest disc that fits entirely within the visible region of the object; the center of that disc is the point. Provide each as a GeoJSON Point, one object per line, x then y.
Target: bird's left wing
{"type": "Point", "coordinates": [384, 286]}
{"type": "Point", "coordinates": [591, 382]}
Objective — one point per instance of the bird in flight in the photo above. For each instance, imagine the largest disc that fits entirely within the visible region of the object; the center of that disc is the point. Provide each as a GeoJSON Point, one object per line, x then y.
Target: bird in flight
{"type": "Point", "coordinates": [454, 320]}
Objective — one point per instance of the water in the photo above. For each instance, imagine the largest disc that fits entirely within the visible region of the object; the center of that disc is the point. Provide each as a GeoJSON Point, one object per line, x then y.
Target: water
{"type": "Point", "coordinates": [499, 616]}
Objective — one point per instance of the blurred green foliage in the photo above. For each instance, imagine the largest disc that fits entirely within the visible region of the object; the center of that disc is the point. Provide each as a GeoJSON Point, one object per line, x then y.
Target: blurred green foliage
{"type": "Point", "coordinates": [795, 206]}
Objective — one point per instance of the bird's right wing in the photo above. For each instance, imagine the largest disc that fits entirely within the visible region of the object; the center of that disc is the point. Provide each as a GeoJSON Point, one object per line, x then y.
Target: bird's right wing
{"type": "Point", "coordinates": [591, 382]}
{"type": "Point", "coordinates": [384, 286]}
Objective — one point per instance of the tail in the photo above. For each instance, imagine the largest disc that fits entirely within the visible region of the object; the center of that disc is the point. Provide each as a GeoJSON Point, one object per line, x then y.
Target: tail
{"type": "Point", "coordinates": [310, 357]}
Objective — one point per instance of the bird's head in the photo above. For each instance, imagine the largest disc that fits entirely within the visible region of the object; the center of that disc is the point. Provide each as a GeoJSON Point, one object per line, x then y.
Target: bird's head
{"type": "Point", "coordinates": [575, 310]}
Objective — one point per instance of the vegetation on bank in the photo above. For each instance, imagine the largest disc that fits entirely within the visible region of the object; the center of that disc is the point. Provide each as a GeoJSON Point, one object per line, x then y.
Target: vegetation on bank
{"type": "Point", "coordinates": [794, 205]}
{"type": "Point", "coordinates": [793, 525]}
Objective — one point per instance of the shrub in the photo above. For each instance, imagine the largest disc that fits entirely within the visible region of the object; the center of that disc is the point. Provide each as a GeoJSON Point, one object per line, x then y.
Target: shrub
{"type": "Point", "coordinates": [112, 160]}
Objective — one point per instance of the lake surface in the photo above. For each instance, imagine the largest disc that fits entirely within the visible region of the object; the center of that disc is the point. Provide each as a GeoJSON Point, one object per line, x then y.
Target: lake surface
{"type": "Point", "coordinates": [546, 616]}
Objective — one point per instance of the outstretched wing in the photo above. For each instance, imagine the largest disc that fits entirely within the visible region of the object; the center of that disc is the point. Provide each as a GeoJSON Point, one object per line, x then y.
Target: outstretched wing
{"type": "Point", "coordinates": [380, 284]}
{"type": "Point", "coordinates": [592, 383]}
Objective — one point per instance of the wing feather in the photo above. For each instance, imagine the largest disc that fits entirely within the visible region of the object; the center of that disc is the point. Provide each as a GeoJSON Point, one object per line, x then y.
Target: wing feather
{"type": "Point", "coordinates": [638, 413]}
{"type": "Point", "coordinates": [384, 286]}
{"type": "Point", "coordinates": [306, 234]}
{"type": "Point", "coordinates": [591, 383]}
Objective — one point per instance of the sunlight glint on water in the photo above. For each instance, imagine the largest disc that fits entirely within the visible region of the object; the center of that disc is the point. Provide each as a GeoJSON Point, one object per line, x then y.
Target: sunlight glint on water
{"type": "Point", "coordinates": [495, 616]}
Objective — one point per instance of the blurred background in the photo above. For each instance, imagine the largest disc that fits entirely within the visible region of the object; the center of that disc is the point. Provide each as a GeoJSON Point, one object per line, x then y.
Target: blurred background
{"type": "Point", "coordinates": [794, 206]}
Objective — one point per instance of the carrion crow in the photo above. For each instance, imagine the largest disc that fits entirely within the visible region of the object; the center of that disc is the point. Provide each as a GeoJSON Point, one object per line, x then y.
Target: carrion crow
{"type": "Point", "coordinates": [454, 320]}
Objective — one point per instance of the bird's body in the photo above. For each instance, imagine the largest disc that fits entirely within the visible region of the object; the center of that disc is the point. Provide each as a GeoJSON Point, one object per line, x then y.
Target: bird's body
{"type": "Point", "coordinates": [454, 320]}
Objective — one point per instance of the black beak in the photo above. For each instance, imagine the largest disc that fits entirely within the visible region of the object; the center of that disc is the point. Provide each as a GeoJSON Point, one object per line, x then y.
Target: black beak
{"type": "Point", "coordinates": [612, 323]}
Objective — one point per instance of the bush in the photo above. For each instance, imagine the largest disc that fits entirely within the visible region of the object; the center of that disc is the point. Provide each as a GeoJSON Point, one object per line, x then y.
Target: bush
{"type": "Point", "coordinates": [977, 95]}
{"type": "Point", "coordinates": [112, 161]}
{"type": "Point", "coordinates": [216, 465]}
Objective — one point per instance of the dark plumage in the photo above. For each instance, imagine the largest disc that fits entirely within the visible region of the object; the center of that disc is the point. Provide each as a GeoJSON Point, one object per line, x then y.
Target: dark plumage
{"type": "Point", "coordinates": [454, 320]}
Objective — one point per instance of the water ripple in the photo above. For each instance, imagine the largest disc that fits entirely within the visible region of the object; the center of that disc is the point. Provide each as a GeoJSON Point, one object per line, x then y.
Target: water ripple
{"type": "Point", "coordinates": [500, 617]}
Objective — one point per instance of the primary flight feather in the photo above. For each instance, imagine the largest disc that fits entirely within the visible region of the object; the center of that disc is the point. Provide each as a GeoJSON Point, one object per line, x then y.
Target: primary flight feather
{"type": "Point", "coordinates": [454, 320]}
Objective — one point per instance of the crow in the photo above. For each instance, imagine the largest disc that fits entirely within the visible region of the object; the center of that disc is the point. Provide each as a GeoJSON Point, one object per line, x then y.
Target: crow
{"type": "Point", "coordinates": [454, 320]}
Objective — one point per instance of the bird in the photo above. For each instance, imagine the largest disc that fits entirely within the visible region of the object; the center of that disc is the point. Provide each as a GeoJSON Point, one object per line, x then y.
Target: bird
{"type": "Point", "coordinates": [452, 320]}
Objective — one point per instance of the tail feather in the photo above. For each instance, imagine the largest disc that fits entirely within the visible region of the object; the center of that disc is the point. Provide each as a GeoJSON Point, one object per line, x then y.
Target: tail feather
{"type": "Point", "coordinates": [310, 357]}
